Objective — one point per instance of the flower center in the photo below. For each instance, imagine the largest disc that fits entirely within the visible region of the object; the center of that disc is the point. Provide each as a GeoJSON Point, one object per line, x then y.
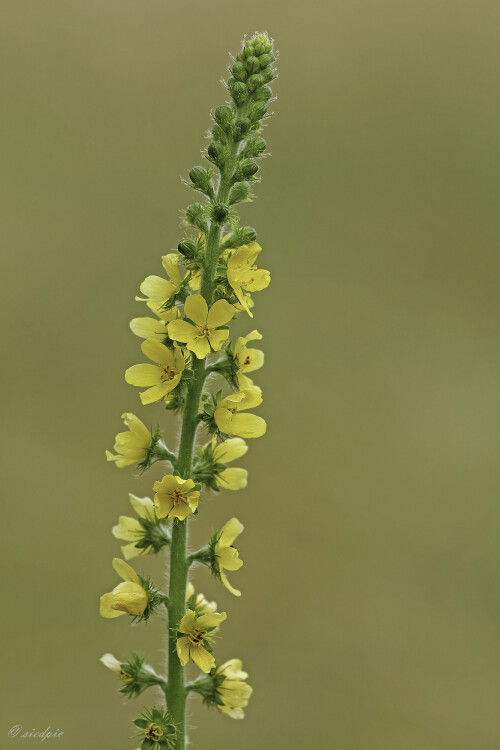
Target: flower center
{"type": "Point", "coordinates": [247, 360]}
{"type": "Point", "coordinates": [153, 732]}
{"type": "Point", "coordinates": [197, 637]}
{"type": "Point", "coordinates": [167, 373]}
{"type": "Point", "coordinates": [177, 497]}
{"type": "Point", "coordinates": [204, 330]}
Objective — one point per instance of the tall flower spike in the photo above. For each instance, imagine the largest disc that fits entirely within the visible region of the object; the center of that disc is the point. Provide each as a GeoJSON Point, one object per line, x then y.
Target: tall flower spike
{"type": "Point", "coordinates": [211, 278]}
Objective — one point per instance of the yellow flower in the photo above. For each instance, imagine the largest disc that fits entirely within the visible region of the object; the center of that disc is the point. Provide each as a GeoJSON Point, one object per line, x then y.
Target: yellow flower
{"type": "Point", "coordinates": [128, 597]}
{"type": "Point", "coordinates": [175, 497]}
{"type": "Point", "coordinates": [131, 446]}
{"type": "Point", "coordinates": [197, 631]}
{"type": "Point", "coordinates": [243, 274]}
{"type": "Point", "coordinates": [204, 333]}
{"type": "Point", "coordinates": [131, 530]}
{"type": "Point", "coordinates": [247, 360]}
{"type": "Point", "coordinates": [244, 425]}
{"type": "Point", "coordinates": [198, 602]}
{"type": "Point", "coordinates": [226, 555]}
{"type": "Point", "coordinates": [112, 663]}
{"type": "Point", "coordinates": [233, 478]}
{"type": "Point", "coordinates": [234, 692]}
{"type": "Point", "coordinates": [154, 328]}
{"type": "Point", "coordinates": [157, 289]}
{"type": "Point", "coordinates": [163, 377]}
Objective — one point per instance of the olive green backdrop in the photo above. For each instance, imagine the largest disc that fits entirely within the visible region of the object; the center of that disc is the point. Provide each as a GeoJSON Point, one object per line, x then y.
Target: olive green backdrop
{"type": "Point", "coordinates": [370, 613]}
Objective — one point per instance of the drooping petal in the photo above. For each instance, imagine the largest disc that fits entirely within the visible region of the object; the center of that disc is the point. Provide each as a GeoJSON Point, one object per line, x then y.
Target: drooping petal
{"type": "Point", "coordinates": [120, 461]}
{"type": "Point", "coordinates": [137, 426]}
{"type": "Point", "coordinates": [127, 529]}
{"type": "Point", "coordinates": [229, 587]}
{"type": "Point", "coordinates": [228, 558]}
{"type": "Point", "coordinates": [195, 308]}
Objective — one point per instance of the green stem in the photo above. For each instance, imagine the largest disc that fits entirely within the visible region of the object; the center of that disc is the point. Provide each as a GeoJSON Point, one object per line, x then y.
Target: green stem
{"type": "Point", "coordinates": [176, 692]}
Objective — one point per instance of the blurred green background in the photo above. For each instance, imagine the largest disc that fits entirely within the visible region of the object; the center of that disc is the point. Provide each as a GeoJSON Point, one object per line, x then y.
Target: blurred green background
{"type": "Point", "coordinates": [370, 613]}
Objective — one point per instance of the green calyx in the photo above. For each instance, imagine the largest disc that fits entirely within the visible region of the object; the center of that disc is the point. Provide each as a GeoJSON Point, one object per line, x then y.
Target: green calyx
{"type": "Point", "coordinates": [137, 676]}
{"type": "Point", "coordinates": [158, 730]}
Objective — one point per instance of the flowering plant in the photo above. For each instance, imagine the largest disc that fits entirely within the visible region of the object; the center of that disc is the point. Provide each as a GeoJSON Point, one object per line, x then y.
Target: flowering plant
{"type": "Point", "coordinates": [209, 281]}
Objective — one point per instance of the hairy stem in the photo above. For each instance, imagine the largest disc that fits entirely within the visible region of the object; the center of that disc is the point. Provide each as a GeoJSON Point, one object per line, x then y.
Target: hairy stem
{"type": "Point", "coordinates": [176, 692]}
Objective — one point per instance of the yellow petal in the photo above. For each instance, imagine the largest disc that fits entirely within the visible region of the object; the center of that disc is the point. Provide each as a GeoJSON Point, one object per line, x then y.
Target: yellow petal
{"type": "Point", "coordinates": [195, 308]}
{"type": "Point", "coordinates": [247, 426]}
{"type": "Point", "coordinates": [182, 647]}
{"type": "Point", "coordinates": [170, 264]}
{"type": "Point", "coordinates": [230, 531]}
{"type": "Point", "coordinates": [143, 375]}
{"type": "Point", "coordinates": [127, 528]}
{"type": "Point", "coordinates": [217, 339]}
{"type": "Point", "coordinates": [157, 288]}
{"type": "Point", "coordinates": [202, 658]}
{"type": "Point", "coordinates": [230, 450]}
{"type": "Point", "coordinates": [158, 352]}
{"type": "Point", "coordinates": [181, 330]}
{"type": "Point", "coordinates": [143, 506]}
{"type": "Point", "coordinates": [125, 571]}
{"type": "Point", "coordinates": [255, 281]}
{"type": "Point", "coordinates": [212, 620]}
{"type": "Point", "coordinates": [233, 479]}
{"type": "Point", "coordinates": [187, 622]}
{"type": "Point", "coordinates": [228, 559]}
{"type": "Point", "coordinates": [199, 346]}
{"type": "Point", "coordinates": [130, 597]}
{"type": "Point", "coordinates": [226, 583]}
{"type": "Point", "coordinates": [147, 328]}
{"type": "Point", "coordinates": [137, 426]}
{"type": "Point", "coordinates": [220, 313]}
{"type": "Point", "coordinates": [106, 608]}
{"type": "Point", "coordinates": [159, 391]}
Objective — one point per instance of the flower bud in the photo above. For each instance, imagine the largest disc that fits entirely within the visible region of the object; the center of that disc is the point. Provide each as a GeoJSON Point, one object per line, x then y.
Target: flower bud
{"type": "Point", "coordinates": [252, 64]}
{"type": "Point", "coordinates": [267, 74]}
{"type": "Point", "coordinates": [217, 154]}
{"type": "Point", "coordinates": [266, 59]}
{"type": "Point", "coordinates": [240, 192]}
{"type": "Point", "coordinates": [239, 92]}
{"type": "Point", "coordinates": [254, 147]}
{"type": "Point", "coordinates": [239, 71]}
{"type": "Point", "coordinates": [263, 94]}
{"type": "Point", "coordinates": [242, 128]}
{"type": "Point", "coordinates": [248, 51]}
{"type": "Point", "coordinates": [188, 248]}
{"type": "Point", "coordinates": [254, 82]}
{"type": "Point", "coordinates": [245, 170]}
{"type": "Point", "coordinates": [257, 111]}
{"type": "Point", "coordinates": [224, 118]}
{"type": "Point", "coordinates": [200, 178]}
{"type": "Point", "coordinates": [195, 216]}
{"type": "Point", "coordinates": [219, 213]}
